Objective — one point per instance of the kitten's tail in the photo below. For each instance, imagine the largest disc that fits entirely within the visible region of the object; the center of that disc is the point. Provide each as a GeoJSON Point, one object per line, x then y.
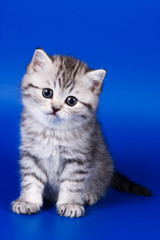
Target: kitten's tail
{"type": "Point", "coordinates": [121, 183]}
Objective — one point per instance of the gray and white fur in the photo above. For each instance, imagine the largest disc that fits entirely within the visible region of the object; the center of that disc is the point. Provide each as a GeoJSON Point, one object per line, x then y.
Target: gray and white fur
{"type": "Point", "coordinates": [63, 155]}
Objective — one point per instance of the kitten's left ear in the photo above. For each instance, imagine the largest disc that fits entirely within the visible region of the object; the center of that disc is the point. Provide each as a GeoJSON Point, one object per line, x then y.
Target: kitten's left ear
{"type": "Point", "coordinates": [95, 79]}
{"type": "Point", "coordinates": [40, 61]}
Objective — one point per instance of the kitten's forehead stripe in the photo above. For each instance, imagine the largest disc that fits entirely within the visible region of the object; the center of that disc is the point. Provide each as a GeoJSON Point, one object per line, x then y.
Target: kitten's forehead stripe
{"type": "Point", "coordinates": [68, 68]}
{"type": "Point", "coordinates": [60, 83]}
{"type": "Point", "coordinates": [59, 59]}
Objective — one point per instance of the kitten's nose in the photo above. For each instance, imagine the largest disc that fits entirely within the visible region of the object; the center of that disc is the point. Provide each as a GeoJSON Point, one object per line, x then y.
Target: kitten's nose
{"type": "Point", "coordinates": [55, 109]}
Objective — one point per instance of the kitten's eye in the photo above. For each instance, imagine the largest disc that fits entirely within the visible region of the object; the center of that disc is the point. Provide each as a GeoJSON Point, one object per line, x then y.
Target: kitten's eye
{"type": "Point", "coordinates": [71, 101]}
{"type": "Point", "coordinates": [47, 92]}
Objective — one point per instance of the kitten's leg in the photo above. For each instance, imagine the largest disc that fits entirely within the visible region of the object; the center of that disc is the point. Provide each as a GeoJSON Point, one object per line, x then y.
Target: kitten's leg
{"type": "Point", "coordinates": [32, 185]}
{"type": "Point", "coordinates": [97, 185]}
{"type": "Point", "coordinates": [71, 195]}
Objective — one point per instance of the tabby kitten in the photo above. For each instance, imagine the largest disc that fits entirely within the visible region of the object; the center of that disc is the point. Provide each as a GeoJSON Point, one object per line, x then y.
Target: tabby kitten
{"type": "Point", "coordinates": [63, 155]}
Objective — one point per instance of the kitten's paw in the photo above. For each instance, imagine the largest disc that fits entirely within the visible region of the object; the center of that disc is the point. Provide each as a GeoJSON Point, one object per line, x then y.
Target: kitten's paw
{"type": "Point", "coordinates": [22, 207]}
{"type": "Point", "coordinates": [70, 210]}
{"type": "Point", "coordinates": [91, 199]}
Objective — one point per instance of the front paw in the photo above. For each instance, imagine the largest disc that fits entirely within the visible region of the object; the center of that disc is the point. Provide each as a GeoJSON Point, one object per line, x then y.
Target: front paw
{"type": "Point", "coordinates": [70, 210]}
{"type": "Point", "coordinates": [22, 207]}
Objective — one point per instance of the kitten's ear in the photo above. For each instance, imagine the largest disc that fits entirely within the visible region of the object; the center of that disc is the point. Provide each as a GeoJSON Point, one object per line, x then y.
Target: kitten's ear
{"type": "Point", "coordinates": [40, 61]}
{"type": "Point", "coordinates": [95, 79]}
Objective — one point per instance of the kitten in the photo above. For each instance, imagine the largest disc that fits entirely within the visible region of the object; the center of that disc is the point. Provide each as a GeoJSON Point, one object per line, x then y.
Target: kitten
{"type": "Point", "coordinates": [63, 155]}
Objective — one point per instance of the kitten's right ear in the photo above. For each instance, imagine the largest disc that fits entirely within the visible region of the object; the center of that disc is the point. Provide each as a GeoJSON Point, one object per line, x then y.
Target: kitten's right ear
{"type": "Point", "coordinates": [40, 61]}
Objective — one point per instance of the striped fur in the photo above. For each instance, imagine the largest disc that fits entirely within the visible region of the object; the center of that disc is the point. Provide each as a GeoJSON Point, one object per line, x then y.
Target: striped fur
{"type": "Point", "coordinates": [63, 155]}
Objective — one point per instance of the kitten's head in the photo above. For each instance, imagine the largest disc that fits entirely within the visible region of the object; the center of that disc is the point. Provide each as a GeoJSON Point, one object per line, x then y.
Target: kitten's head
{"type": "Point", "coordinates": [60, 91]}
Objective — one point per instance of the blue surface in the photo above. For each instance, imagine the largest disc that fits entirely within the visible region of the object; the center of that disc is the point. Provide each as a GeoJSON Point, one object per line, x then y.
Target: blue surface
{"type": "Point", "coordinates": [122, 37]}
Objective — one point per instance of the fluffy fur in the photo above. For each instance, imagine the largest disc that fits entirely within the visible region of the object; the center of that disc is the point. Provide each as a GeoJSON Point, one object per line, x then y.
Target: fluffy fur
{"type": "Point", "coordinates": [63, 155]}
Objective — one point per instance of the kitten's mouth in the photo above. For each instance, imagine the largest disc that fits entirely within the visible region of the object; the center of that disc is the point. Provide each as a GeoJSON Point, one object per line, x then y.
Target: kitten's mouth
{"type": "Point", "coordinates": [52, 114]}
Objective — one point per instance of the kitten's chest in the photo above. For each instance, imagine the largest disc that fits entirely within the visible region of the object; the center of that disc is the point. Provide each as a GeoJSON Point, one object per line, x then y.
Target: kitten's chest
{"type": "Point", "coordinates": [46, 147]}
{"type": "Point", "coordinates": [47, 150]}
{"type": "Point", "coordinates": [51, 147]}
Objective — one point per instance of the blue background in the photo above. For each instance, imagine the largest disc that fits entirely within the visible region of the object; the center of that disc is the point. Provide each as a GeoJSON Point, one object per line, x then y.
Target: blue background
{"type": "Point", "coordinates": [124, 38]}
